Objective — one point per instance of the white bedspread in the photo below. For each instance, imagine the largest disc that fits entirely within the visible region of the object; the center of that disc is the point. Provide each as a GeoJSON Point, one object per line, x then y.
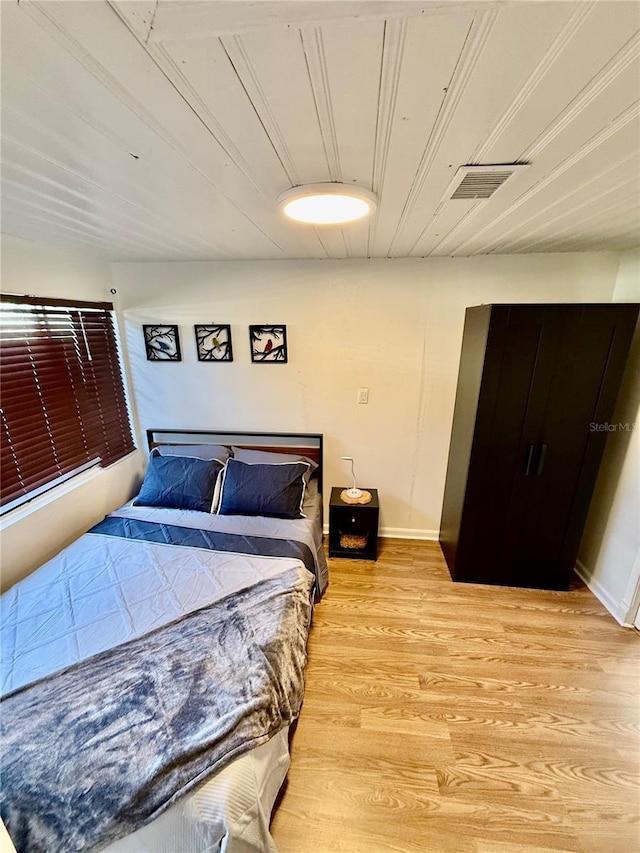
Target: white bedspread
{"type": "Point", "coordinates": [69, 610]}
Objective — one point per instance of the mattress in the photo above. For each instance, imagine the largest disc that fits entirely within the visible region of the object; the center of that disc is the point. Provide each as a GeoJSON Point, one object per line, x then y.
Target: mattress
{"type": "Point", "coordinates": [80, 604]}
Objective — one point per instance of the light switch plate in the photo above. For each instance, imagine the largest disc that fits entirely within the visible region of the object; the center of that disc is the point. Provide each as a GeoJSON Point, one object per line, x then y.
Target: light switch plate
{"type": "Point", "coordinates": [363, 395]}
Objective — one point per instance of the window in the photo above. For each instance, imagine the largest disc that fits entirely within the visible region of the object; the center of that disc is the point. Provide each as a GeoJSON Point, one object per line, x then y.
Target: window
{"type": "Point", "coordinates": [63, 404]}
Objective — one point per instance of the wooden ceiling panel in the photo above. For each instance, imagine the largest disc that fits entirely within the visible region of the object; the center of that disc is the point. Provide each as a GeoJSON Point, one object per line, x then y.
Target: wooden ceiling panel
{"type": "Point", "coordinates": [563, 202]}
{"type": "Point", "coordinates": [345, 84]}
{"type": "Point", "coordinates": [102, 209]}
{"type": "Point", "coordinates": [621, 218]}
{"type": "Point", "coordinates": [193, 19]}
{"type": "Point", "coordinates": [127, 92]}
{"type": "Point", "coordinates": [617, 200]}
{"type": "Point", "coordinates": [42, 228]}
{"type": "Point", "coordinates": [356, 239]}
{"type": "Point", "coordinates": [82, 130]}
{"type": "Point", "coordinates": [585, 58]}
{"type": "Point", "coordinates": [201, 71]}
{"type": "Point", "coordinates": [475, 102]}
{"type": "Point", "coordinates": [93, 224]}
{"type": "Point", "coordinates": [527, 196]}
{"type": "Point", "coordinates": [166, 130]}
{"type": "Point", "coordinates": [133, 193]}
{"type": "Point", "coordinates": [614, 144]}
{"type": "Point", "coordinates": [418, 63]}
{"type": "Point", "coordinates": [603, 112]}
{"type": "Point", "coordinates": [274, 75]}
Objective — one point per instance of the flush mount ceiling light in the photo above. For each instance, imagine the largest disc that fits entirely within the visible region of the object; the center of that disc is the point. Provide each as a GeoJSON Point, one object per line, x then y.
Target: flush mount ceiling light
{"type": "Point", "coordinates": [327, 204]}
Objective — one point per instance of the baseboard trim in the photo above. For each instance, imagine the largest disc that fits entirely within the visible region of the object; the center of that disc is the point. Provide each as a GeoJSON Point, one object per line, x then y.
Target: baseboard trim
{"type": "Point", "coordinates": [403, 533]}
{"type": "Point", "coordinates": [602, 595]}
{"type": "Point", "coordinates": [408, 533]}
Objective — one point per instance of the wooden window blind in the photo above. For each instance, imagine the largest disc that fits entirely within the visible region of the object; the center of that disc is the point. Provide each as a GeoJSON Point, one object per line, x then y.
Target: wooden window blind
{"type": "Point", "coordinates": [63, 406]}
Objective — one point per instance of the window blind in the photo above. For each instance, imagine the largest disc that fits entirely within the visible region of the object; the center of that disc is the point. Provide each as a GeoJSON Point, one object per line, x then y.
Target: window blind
{"type": "Point", "coordinates": [63, 404]}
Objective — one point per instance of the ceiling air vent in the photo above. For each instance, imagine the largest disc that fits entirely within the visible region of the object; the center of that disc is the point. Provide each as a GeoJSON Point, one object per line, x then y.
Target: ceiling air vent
{"type": "Point", "coordinates": [479, 182]}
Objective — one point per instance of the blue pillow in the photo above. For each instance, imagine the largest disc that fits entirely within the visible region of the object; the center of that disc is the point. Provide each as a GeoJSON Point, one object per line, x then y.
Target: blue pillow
{"type": "Point", "coordinates": [179, 482]}
{"type": "Point", "coordinates": [276, 491]}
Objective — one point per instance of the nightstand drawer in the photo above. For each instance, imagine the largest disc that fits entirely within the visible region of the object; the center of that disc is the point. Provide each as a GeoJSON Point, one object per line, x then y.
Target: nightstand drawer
{"type": "Point", "coordinates": [350, 522]}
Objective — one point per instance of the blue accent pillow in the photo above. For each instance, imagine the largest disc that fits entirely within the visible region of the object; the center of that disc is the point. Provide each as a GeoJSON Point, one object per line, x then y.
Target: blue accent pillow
{"type": "Point", "coordinates": [179, 482]}
{"type": "Point", "coordinates": [276, 491]}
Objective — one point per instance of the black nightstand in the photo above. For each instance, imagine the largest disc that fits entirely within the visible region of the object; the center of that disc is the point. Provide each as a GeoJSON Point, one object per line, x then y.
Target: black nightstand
{"type": "Point", "coordinates": [353, 528]}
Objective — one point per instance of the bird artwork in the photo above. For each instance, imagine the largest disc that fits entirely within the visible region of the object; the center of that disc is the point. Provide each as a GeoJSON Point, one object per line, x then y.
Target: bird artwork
{"type": "Point", "coordinates": [162, 343]}
{"type": "Point", "coordinates": [214, 343]}
{"type": "Point", "coordinates": [268, 344]}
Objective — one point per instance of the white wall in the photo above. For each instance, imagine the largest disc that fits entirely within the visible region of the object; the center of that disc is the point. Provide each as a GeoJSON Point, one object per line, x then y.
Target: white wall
{"type": "Point", "coordinates": [394, 326]}
{"type": "Point", "coordinates": [610, 548]}
{"type": "Point", "coordinates": [38, 530]}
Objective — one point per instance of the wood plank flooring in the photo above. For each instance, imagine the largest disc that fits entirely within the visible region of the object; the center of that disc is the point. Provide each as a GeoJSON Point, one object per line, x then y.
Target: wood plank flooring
{"type": "Point", "coordinates": [456, 718]}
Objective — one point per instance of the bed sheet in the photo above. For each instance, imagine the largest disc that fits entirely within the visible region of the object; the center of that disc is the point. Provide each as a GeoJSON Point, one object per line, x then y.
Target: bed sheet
{"type": "Point", "coordinates": [66, 612]}
{"type": "Point", "coordinates": [102, 591]}
{"type": "Point", "coordinates": [308, 529]}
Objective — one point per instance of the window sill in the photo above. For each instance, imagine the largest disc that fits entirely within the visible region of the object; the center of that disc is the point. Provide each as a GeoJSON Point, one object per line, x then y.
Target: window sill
{"type": "Point", "coordinates": [53, 494]}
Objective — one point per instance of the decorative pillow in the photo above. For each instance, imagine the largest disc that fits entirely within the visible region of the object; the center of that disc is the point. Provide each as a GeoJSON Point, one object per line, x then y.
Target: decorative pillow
{"type": "Point", "coordinates": [276, 491]}
{"type": "Point", "coordinates": [243, 454]}
{"type": "Point", "coordinates": [179, 482]}
{"type": "Point", "coordinates": [198, 451]}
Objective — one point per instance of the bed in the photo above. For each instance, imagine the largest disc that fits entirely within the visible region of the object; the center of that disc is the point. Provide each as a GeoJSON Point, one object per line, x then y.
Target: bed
{"type": "Point", "coordinates": [151, 672]}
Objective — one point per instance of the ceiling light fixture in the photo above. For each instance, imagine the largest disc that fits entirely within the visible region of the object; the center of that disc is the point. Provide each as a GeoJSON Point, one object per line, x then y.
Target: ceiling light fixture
{"type": "Point", "coordinates": [327, 204]}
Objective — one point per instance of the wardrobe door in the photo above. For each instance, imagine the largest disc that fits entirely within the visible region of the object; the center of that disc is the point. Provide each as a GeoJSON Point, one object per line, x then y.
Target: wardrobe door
{"type": "Point", "coordinates": [550, 377]}
{"type": "Point", "coordinates": [523, 347]}
{"type": "Point", "coordinates": [544, 533]}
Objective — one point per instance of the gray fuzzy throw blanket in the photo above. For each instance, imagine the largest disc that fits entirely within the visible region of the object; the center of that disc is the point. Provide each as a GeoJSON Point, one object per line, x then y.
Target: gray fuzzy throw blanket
{"type": "Point", "coordinates": [92, 753]}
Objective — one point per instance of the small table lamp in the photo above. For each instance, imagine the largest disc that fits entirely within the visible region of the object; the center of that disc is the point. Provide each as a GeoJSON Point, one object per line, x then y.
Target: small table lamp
{"type": "Point", "coordinates": [353, 492]}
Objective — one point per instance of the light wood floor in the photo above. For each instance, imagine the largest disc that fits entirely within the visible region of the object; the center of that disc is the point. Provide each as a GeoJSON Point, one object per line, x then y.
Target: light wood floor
{"type": "Point", "coordinates": [455, 718]}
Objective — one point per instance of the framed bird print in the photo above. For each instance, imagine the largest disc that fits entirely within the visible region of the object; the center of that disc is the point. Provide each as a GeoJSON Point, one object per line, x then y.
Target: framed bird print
{"type": "Point", "coordinates": [162, 343]}
{"type": "Point", "coordinates": [214, 343]}
{"type": "Point", "coordinates": [268, 344]}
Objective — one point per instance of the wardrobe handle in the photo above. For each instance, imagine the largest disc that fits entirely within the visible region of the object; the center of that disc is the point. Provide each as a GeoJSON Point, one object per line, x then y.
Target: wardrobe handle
{"type": "Point", "coordinates": [541, 456]}
{"type": "Point", "coordinates": [529, 460]}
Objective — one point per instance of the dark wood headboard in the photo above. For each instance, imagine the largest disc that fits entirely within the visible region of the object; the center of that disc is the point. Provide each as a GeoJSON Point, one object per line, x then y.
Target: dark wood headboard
{"type": "Point", "coordinates": [305, 443]}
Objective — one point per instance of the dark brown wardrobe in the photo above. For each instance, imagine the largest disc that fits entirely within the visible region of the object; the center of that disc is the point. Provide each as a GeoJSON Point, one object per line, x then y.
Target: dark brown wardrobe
{"type": "Point", "coordinates": [536, 391]}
